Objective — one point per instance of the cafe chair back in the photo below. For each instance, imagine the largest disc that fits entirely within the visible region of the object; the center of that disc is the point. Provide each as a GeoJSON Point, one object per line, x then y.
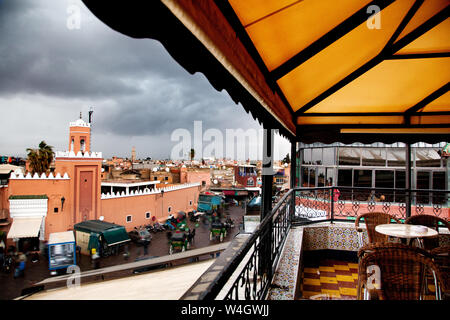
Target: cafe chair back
{"type": "Point", "coordinates": [372, 219]}
{"type": "Point", "coordinates": [396, 272]}
{"type": "Point", "coordinates": [430, 221]}
{"type": "Point", "coordinates": [441, 257]}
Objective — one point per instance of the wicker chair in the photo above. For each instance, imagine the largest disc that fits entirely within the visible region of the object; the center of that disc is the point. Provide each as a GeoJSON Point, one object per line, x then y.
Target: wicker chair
{"type": "Point", "coordinates": [371, 247]}
{"type": "Point", "coordinates": [399, 271]}
{"type": "Point", "coordinates": [431, 222]}
{"type": "Point", "coordinates": [372, 219]}
{"type": "Point", "coordinates": [441, 257]}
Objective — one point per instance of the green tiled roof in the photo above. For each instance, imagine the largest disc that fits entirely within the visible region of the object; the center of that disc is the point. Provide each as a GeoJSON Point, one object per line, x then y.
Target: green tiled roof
{"type": "Point", "coordinates": [28, 196]}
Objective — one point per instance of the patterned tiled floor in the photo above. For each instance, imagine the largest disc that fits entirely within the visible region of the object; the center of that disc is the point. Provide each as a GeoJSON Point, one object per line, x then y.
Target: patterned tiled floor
{"type": "Point", "coordinates": [330, 279]}
{"type": "Point", "coordinates": [336, 280]}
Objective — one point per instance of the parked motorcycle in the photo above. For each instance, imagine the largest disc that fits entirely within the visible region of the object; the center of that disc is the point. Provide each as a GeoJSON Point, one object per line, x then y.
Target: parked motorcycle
{"type": "Point", "coordinates": [159, 227]}
{"type": "Point", "coordinates": [156, 227]}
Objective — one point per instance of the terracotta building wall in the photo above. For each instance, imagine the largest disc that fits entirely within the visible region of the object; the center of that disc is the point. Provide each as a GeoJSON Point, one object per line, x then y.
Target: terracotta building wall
{"type": "Point", "coordinates": [55, 190]}
{"type": "Point", "coordinates": [4, 197]}
{"type": "Point", "coordinates": [117, 209]}
{"type": "Point", "coordinates": [193, 176]}
{"type": "Point", "coordinates": [162, 175]}
{"type": "Point", "coordinates": [85, 186]}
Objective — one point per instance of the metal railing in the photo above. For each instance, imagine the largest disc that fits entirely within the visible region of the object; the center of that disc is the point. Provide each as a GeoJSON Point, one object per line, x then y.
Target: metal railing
{"type": "Point", "coordinates": [346, 203]}
{"type": "Point", "coordinates": [256, 262]}
{"type": "Point", "coordinates": [259, 255]}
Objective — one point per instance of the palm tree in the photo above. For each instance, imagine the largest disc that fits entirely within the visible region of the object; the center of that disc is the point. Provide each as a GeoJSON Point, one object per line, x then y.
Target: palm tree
{"type": "Point", "coordinates": [40, 159]}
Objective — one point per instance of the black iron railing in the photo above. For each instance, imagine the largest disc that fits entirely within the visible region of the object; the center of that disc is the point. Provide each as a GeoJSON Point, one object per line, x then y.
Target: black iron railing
{"type": "Point", "coordinates": [346, 203]}
{"type": "Point", "coordinates": [252, 268]}
{"type": "Point", "coordinates": [258, 257]}
{"type": "Point", "coordinates": [262, 252]}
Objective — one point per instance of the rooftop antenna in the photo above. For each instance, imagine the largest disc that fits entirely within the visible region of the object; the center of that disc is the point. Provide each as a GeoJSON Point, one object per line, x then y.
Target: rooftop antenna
{"type": "Point", "coordinates": [91, 111]}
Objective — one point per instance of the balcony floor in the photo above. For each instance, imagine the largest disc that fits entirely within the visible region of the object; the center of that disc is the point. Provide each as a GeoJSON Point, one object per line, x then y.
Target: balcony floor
{"type": "Point", "coordinates": [329, 279]}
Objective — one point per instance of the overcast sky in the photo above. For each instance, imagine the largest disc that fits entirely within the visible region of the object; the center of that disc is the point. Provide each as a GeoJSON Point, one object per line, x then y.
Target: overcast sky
{"type": "Point", "coordinates": [50, 70]}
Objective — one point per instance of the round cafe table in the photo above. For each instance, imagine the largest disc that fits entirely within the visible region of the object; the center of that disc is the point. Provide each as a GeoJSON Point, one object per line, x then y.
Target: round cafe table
{"type": "Point", "coordinates": [406, 231]}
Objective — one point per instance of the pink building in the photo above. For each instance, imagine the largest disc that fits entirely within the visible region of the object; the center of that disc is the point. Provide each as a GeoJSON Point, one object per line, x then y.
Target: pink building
{"type": "Point", "coordinates": [196, 175]}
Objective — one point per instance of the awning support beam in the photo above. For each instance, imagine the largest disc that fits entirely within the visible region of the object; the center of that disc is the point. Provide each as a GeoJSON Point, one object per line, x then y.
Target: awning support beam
{"type": "Point", "coordinates": [266, 200]}
{"type": "Point", "coordinates": [433, 96]}
{"type": "Point", "coordinates": [384, 54]}
{"type": "Point", "coordinates": [408, 180]}
{"type": "Point", "coordinates": [406, 19]}
{"type": "Point", "coordinates": [430, 55]}
{"type": "Point", "coordinates": [241, 33]}
{"type": "Point", "coordinates": [326, 40]}
{"type": "Point", "coordinates": [376, 114]}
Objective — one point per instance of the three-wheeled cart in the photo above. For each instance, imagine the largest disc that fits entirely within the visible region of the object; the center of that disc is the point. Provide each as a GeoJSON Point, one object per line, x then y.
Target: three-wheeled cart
{"type": "Point", "coordinates": [218, 229]}
{"type": "Point", "coordinates": [61, 251]}
{"type": "Point", "coordinates": [178, 241]}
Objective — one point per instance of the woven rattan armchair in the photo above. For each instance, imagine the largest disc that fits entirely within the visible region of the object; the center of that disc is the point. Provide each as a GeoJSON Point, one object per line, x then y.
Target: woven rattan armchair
{"type": "Point", "coordinates": [371, 247]}
{"type": "Point", "coordinates": [441, 257]}
{"type": "Point", "coordinates": [372, 219]}
{"type": "Point", "coordinates": [431, 222]}
{"type": "Point", "coordinates": [398, 271]}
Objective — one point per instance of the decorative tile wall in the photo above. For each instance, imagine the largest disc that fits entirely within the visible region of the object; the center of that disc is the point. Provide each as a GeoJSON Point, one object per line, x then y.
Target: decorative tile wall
{"type": "Point", "coordinates": [285, 277]}
{"type": "Point", "coordinates": [335, 236]}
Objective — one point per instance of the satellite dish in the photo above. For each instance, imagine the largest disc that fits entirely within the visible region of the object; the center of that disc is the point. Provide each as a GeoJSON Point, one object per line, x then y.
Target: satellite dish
{"type": "Point", "coordinates": [215, 181]}
{"type": "Point", "coordinates": [101, 218]}
{"type": "Point", "coordinates": [167, 170]}
{"type": "Point", "coordinates": [155, 169]}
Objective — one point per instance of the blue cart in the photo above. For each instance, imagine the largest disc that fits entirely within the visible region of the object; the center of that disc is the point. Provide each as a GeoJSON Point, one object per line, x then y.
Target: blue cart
{"type": "Point", "coordinates": [209, 203]}
{"type": "Point", "coordinates": [61, 251]}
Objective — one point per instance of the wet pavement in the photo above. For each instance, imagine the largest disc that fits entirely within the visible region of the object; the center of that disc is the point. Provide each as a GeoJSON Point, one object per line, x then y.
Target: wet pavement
{"type": "Point", "coordinates": [11, 288]}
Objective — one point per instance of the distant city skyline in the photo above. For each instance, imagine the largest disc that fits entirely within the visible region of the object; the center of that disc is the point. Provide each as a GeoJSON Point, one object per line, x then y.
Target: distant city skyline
{"type": "Point", "coordinates": [53, 69]}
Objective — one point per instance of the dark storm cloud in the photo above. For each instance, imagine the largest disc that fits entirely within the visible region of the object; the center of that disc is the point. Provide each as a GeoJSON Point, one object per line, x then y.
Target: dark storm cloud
{"type": "Point", "coordinates": [166, 105]}
{"type": "Point", "coordinates": [41, 55]}
{"type": "Point", "coordinates": [151, 91]}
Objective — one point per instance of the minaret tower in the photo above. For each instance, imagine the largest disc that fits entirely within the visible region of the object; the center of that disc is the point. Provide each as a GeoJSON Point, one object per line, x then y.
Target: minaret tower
{"type": "Point", "coordinates": [133, 154]}
{"type": "Point", "coordinates": [80, 136]}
